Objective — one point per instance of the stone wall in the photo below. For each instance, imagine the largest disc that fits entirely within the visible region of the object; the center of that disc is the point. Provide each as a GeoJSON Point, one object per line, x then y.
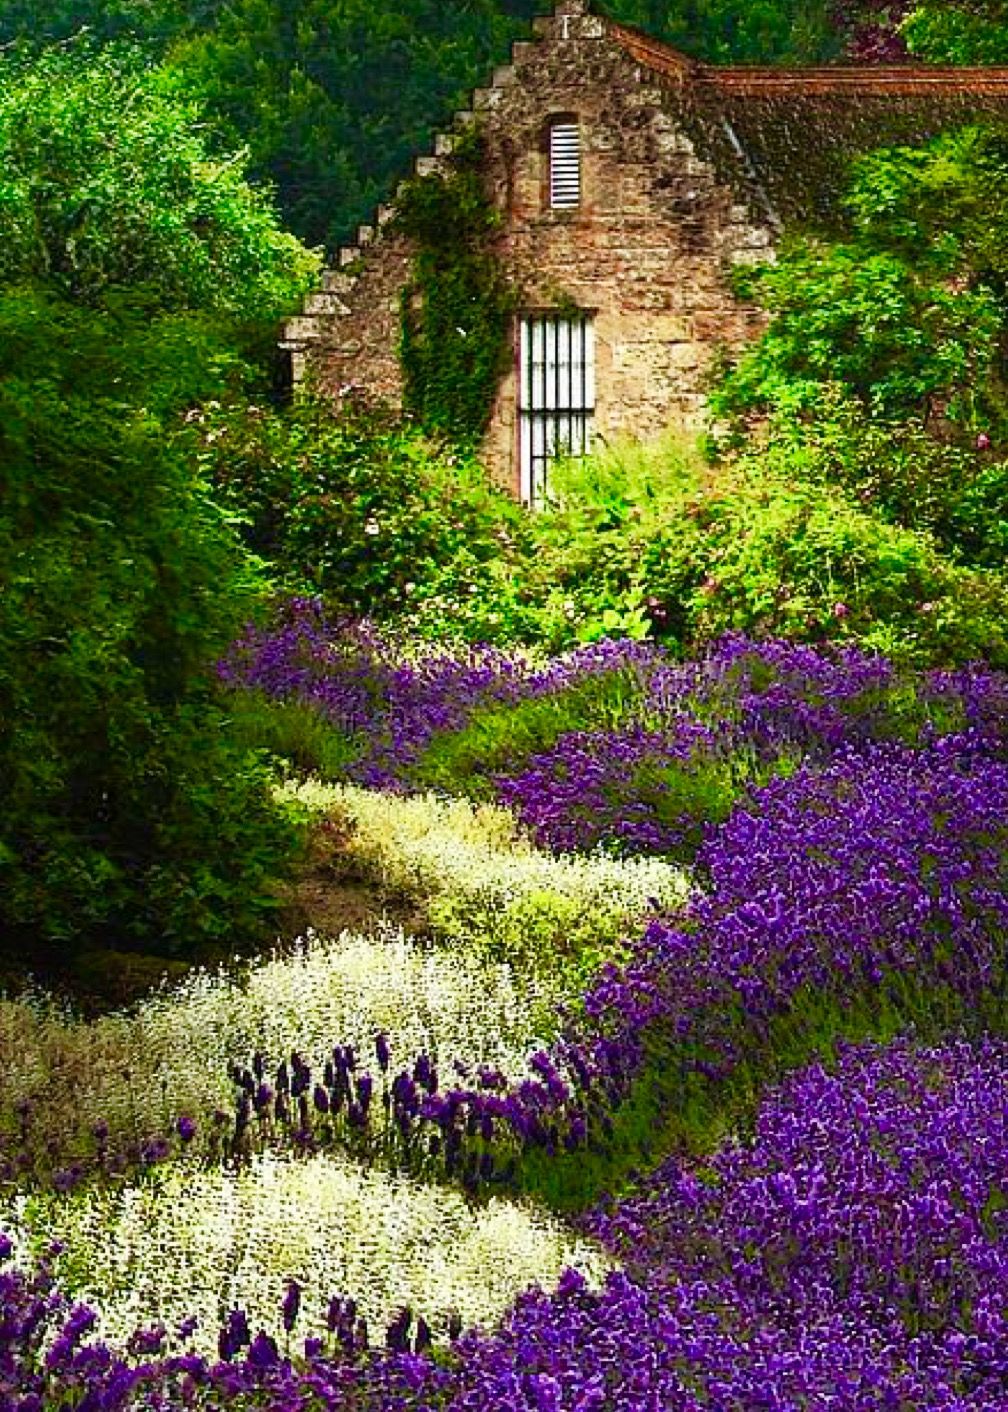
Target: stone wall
{"type": "Point", "coordinates": [647, 252]}
{"type": "Point", "coordinates": [648, 249]}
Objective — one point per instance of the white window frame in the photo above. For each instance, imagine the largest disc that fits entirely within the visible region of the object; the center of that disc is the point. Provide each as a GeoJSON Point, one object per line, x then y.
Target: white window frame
{"type": "Point", "coordinates": [565, 164]}
{"type": "Point", "coordinates": [556, 395]}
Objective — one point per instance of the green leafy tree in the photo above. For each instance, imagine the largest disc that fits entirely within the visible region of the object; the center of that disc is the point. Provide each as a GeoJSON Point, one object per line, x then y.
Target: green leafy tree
{"type": "Point", "coordinates": [108, 180]}
{"type": "Point", "coordinates": [958, 31]}
{"type": "Point", "coordinates": [335, 101]}
{"type": "Point", "coordinates": [726, 32]}
{"type": "Point", "coordinates": [155, 21]}
{"type": "Point", "coordinates": [908, 311]}
{"type": "Point", "coordinates": [130, 254]}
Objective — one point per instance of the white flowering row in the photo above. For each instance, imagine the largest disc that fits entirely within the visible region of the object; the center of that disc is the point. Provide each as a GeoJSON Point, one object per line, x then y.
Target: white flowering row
{"type": "Point", "coordinates": [170, 1054]}
{"type": "Point", "coordinates": [510, 926]}
{"type": "Point", "coordinates": [185, 1242]}
{"type": "Point", "coordinates": [483, 883]}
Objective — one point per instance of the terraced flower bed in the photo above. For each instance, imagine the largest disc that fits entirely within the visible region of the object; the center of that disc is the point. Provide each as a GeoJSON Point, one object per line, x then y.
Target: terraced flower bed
{"type": "Point", "coordinates": [694, 1093]}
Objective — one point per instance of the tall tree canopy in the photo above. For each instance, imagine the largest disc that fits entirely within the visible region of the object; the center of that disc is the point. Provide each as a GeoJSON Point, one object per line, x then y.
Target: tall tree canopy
{"type": "Point", "coordinates": [959, 31]}
{"type": "Point", "coordinates": [130, 253]}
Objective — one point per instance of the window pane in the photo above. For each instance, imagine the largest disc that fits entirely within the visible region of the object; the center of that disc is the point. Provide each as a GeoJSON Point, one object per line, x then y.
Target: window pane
{"type": "Point", "coordinates": [556, 395]}
{"type": "Point", "coordinates": [565, 165]}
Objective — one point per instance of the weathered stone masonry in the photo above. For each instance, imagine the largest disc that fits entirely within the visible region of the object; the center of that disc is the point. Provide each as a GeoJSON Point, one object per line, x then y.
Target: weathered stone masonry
{"type": "Point", "coordinates": [685, 171]}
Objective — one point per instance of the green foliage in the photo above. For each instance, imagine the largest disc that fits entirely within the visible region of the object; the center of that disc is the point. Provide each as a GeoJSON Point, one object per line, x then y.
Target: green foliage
{"type": "Point", "coordinates": [882, 372]}
{"type": "Point", "coordinates": [293, 733]}
{"type": "Point", "coordinates": [851, 530]}
{"type": "Point", "coordinates": [954, 490]}
{"type": "Point", "coordinates": [129, 816]}
{"type": "Point", "coordinates": [334, 101]}
{"type": "Point", "coordinates": [898, 338]}
{"type": "Point", "coordinates": [156, 21]}
{"type": "Point", "coordinates": [958, 31]}
{"type": "Point", "coordinates": [358, 506]}
{"type": "Point", "coordinates": [132, 255]}
{"type": "Point", "coordinates": [908, 310]}
{"type": "Point", "coordinates": [571, 573]}
{"type": "Point", "coordinates": [770, 552]}
{"type": "Point", "coordinates": [456, 312]}
{"type": "Point", "coordinates": [463, 762]}
{"type": "Point", "coordinates": [725, 31]}
{"type": "Point", "coordinates": [942, 205]}
{"type": "Point", "coordinates": [108, 181]}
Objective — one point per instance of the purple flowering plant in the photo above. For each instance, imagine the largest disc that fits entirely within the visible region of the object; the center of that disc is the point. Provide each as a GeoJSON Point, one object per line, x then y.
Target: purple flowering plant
{"type": "Point", "coordinates": [852, 1254]}
{"type": "Point", "coordinates": [783, 1111]}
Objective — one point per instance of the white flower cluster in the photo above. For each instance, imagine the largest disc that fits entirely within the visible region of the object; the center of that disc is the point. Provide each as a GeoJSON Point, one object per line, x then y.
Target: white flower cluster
{"type": "Point", "coordinates": [170, 1055]}
{"type": "Point", "coordinates": [485, 885]}
{"type": "Point", "coordinates": [185, 1242]}
{"type": "Point", "coordinates": [188, 1240]}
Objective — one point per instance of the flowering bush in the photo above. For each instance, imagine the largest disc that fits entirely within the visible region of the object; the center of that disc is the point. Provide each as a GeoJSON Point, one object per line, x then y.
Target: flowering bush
{"type": "Point", "coordinates": [852, 1255]}
{"type": "Point", "coordinates": [858, 897]}
{"type": "Point", "coordinates": [106, 1095]}
{"type": "Point", "coordinates": [184, 1243]}
{"type": "Point", "coordinates": [395, 699]}
{"type": "Point", "coordinates": [482, 884]}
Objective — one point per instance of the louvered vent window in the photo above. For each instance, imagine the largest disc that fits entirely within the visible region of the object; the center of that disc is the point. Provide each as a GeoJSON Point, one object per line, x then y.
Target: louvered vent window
{"type": "Point", "coordinates": [565, 164]}
{"type": "Point", "coordinates": [556, 400]}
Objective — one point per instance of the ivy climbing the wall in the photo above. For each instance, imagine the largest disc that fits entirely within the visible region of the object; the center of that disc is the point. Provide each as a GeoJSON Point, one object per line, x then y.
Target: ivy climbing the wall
{"type": "Point", "coordinates": [456, 310]}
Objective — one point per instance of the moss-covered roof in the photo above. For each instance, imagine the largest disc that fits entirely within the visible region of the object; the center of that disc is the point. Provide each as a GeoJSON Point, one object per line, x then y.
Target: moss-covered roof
{"type": "Point", "coordinates": [788, 134]}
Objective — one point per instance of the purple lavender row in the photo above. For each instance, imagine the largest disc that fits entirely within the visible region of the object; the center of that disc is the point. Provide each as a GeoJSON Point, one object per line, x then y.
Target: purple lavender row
{"type": "Point", "coordinates": [879, 882]}
{"type": "Point", "coordinates": [759, 702]}
{"type": "Point", "coordinates": [706, 732]}
{"type": "Point", "coordinates": [360, 680]}
{"type": "Point", "coordinates": [853, 1255]}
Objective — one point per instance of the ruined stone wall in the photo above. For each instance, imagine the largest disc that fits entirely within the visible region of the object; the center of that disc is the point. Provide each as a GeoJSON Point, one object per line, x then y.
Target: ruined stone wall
{"type": "Point", "coordinates": [647, 252]}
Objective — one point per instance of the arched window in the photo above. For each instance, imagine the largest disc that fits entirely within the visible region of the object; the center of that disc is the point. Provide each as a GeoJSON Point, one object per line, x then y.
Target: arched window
{"type": "Point", "coordinates": [565, 163]}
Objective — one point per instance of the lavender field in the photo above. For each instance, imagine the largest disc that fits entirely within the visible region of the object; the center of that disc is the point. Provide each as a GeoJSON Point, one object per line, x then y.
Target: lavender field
{"type": "Point", "coordinates": [692, 1094]}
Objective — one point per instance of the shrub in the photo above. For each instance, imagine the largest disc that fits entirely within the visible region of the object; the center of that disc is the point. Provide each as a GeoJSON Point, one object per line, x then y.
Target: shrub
{"type": "Point", "coordinates": [130, 818]}
{"type": "Point", "coordinates": [359, 506]}
{"type": "Point", "coordinates": [944, 484]}
{"type": "Point", "coordinates": [109, 182]}
{"type": "Point", "coordinates": [293, 732]}
{"type": "Point", "coordinates": [483, 887]}
{"type": "Point", "coordinates": [131, 253]}
{"type": "Point", "coordinates": [767, 552]}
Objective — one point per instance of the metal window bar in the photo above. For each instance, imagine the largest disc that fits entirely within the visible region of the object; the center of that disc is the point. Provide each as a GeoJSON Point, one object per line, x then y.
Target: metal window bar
{"type": "Point", "coordinates": [556, 380]}
{"type": "Point", "coordinates": [565, 165]}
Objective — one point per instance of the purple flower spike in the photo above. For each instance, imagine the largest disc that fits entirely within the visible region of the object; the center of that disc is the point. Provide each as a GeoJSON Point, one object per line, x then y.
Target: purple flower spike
{"type": "Point", "coordinates": [291, 1305]}
{"type": "Point", "coordinates": [234, 1335]}
{"type": "Point", "coordinates": [263, 1352]}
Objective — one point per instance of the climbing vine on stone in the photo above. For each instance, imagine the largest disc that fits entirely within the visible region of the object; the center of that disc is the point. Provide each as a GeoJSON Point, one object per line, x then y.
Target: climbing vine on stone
{"type": "Point", "coordinates": [456, 310]}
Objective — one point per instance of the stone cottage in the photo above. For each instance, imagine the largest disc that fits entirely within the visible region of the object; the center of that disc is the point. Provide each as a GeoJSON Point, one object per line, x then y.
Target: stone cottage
{"type": "Point", "coordinates": [630, 179]}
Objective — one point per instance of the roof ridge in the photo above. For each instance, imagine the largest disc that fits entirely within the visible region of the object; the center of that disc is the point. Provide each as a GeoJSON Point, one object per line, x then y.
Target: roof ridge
{"type": "Point", "coordinates": [663, 59]}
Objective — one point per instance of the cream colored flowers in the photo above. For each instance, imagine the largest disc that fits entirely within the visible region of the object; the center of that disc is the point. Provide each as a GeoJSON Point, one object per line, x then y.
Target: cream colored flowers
{"type": "Point", "coordinates": [483, 883]}
{"type": "Point", "coordinates": [140, 1070]}
{"type": "Point", "coordinates": [185, 1242]}
{"type": "Point", "coordinates": [510, 927]}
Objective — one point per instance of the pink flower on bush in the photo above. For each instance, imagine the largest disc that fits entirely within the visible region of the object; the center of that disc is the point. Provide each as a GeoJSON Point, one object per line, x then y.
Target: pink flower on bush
{"type": "Point", "coordinates": [841, 611]}
{"type": "Point", "coordinates": [983, 441]}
